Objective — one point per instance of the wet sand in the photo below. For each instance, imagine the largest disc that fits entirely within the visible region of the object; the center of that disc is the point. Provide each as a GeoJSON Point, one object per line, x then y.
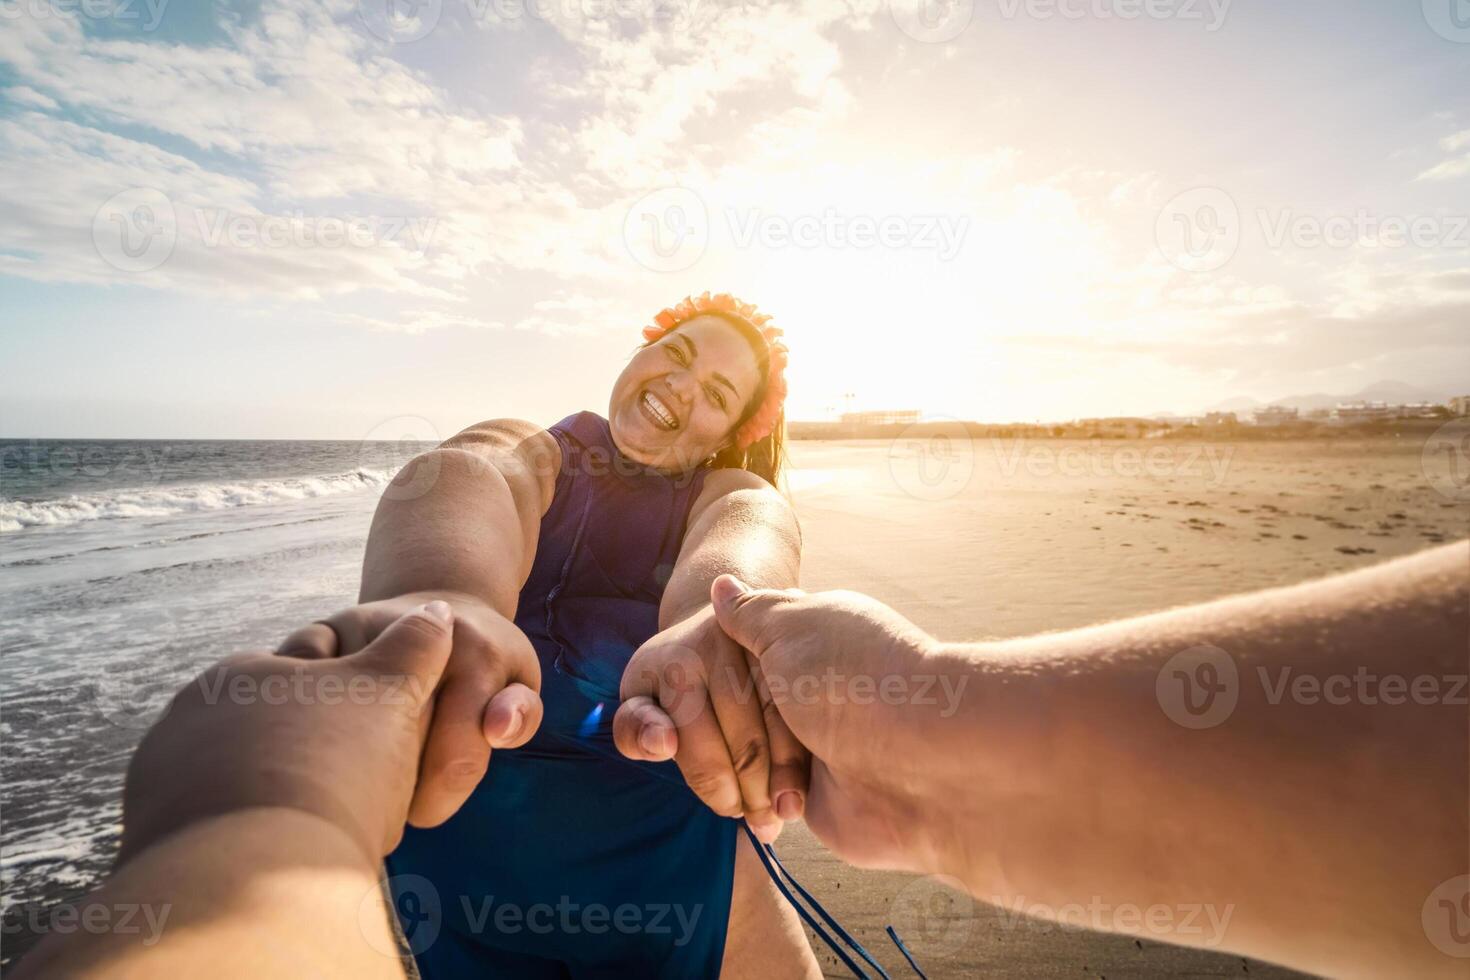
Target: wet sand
{"type": "Point", "coordinates": [1000, 538]}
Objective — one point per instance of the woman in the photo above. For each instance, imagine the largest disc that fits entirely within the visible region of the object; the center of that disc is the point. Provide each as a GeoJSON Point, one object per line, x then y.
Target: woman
{"type": "Point", "coordinates": [598, 538]}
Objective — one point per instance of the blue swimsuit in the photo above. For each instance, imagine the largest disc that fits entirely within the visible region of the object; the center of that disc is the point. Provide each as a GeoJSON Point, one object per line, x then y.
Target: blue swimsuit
{"type": "Point", "coordinates": [570, 860]}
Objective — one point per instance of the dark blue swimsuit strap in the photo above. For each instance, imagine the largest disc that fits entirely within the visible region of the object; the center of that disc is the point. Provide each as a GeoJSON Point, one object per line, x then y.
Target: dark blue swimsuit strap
{"type": "Point", "coordinates": [777, 871]}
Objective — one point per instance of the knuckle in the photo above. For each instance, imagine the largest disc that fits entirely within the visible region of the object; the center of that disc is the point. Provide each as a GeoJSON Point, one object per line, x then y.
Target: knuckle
{"type": "Point", "coordinates": [750, 756]}
{"type": "Point", "coordinates": [718, 793]}
{"type": "Point", "coordinates": [460, 772]}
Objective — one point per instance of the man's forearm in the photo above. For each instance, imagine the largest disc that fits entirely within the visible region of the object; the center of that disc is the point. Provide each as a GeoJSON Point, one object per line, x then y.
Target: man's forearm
{"type": "Point", "coordinates": [1292, 762]}
{"type": "Point", "coordinates": [259, 892]}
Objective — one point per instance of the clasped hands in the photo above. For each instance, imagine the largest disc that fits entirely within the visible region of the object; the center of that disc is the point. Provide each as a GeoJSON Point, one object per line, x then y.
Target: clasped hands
{"type": "Point", "coordinates": [719, 693]}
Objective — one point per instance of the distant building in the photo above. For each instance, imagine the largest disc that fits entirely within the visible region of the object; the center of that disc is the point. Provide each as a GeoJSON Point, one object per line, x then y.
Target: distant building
{"type": "Point", "coordinates": [890, 417]}
{"type": "Point", "coordinates": [1273, 415]}
{"type": "Point", "coordinates": [1356, 413]}
{"type": "Point", "coordinates": [1460, 405]}
{"type": "Point", "coordinates": [1416, 410]}
{"type": "Point", "coordinates": [1121, 427]}
{"type": "Point", "coordinates": [1219, 419]}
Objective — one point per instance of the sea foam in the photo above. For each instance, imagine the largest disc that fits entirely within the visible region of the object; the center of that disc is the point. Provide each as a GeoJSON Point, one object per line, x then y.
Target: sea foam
{"type": "Point", "coordinates": [17, 515]}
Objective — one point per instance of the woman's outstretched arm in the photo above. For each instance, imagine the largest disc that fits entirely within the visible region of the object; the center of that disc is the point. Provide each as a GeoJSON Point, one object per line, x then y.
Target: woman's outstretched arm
{"type": "Point", "coordinates": [1284, 774]}
{"type": "Point", "coordinates": [458, 523]}
{"type": "Point", "coordinates": [689, 693]}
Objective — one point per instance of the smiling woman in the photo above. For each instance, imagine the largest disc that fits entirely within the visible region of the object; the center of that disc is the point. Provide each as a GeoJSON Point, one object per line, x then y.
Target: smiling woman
{"type": "Point", "coordinates": [708, 388]}
{"type": "Point", "coordinates": [627, 742]}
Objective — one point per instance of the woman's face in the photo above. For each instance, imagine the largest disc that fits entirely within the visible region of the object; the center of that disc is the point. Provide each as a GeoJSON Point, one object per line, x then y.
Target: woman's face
{"type": "Point", "coordinates": [679, 398]}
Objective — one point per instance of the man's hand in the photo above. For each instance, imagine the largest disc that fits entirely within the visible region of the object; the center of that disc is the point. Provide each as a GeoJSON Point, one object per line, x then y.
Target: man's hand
{"type": "Point", "coordinates": [844, 671]}
{"type": "Point", "coordinates": [689, 694]}
{"type": "Point", "coordinates": [336, 738]}
{"type": "Point", "coordinates": [489, 697]}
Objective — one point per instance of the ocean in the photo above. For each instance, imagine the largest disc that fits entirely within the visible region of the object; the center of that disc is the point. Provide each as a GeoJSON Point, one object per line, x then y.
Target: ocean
{"type": "Point", "coordinates": [126, 567]}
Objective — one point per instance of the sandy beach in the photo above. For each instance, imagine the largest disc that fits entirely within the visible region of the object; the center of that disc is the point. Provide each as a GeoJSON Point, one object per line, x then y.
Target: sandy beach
{"type": "Point", "coordinates": [971, 539]}
{"type": "Point", "coordinates": [1003, 538]}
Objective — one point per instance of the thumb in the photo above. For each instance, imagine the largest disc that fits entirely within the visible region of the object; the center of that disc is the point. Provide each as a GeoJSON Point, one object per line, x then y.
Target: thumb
{"type": "Point", "coordinates": [416, 645]}
{"type": "Point", "coordinates": [744, 613]}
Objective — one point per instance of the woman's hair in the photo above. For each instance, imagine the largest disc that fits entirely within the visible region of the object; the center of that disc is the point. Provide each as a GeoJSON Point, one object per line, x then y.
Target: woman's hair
{"type": "Point", "coordinates": [765, 456]}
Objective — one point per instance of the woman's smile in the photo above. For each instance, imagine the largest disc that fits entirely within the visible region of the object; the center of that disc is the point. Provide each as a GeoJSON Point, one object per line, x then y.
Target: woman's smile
{"type": "Point", "coordinates": [658, 412]}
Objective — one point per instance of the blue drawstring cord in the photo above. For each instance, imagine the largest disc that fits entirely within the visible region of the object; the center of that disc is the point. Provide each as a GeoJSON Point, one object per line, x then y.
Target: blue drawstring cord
{"type": "Point", "coordinates": [772, 863]}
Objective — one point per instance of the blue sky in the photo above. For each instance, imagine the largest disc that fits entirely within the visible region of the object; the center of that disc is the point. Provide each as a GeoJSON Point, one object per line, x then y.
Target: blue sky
{"type": "Point", "coordinates": [304, 219]}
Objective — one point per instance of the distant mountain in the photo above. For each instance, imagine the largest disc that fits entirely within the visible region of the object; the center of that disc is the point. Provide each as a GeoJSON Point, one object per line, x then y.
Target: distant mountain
{"type": "Point", "coordinates": [1393, 392]}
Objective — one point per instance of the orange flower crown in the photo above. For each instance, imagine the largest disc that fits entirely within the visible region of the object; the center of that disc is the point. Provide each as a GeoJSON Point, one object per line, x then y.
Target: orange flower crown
{"type": "Point", "coordinates": [763, 420]}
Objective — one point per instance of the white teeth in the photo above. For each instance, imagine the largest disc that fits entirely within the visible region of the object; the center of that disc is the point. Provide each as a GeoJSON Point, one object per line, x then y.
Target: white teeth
{"type": "Point", "coordinates": [660, 411]}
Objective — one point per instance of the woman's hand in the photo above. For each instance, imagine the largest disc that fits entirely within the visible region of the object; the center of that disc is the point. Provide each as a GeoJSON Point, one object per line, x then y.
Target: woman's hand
{"type": "Point", "coordinates": [689, 694]}
{"type": "Point", "coordinates": [489, 697]}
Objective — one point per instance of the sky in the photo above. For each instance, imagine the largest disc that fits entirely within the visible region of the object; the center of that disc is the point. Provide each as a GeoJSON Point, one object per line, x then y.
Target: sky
{"type": "Point", "coordinates": [341, 219]}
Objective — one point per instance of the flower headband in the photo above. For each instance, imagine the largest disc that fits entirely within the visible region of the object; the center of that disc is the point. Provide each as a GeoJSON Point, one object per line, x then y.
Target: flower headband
{"type": "Point", "coordinates": [763, 420]}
